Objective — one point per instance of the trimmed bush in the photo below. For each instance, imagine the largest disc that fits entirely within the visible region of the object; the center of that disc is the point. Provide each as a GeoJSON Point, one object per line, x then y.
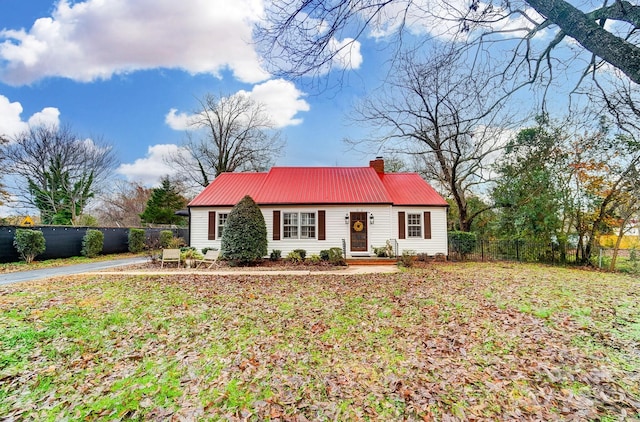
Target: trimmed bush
{"type": "Point", "coordinates": [462, 243]}
{"type": "Point", "coordinates": [136, 240]}
{"type": "Point", "coordinates": [92, 243]}
{"type": "Point", "coordinates": [166, 236]}
{"type": "Point", "coordinates": [275, 254]}
{"type": "Point", "coordinates": [29, 243]}
{"type": "Point", "coordinates": [324, 254]}
{"type": "Point", "coordinates": [245, 234]}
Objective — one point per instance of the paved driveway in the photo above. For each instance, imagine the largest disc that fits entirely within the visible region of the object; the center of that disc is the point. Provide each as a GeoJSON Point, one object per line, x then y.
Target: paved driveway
{"type": "Point", "coordinates": [66, 270]}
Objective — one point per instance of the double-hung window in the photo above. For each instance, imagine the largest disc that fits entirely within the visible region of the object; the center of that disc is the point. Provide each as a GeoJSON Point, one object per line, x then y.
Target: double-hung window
{"type": "Point", "coordinates": [307, 225]}
{"type": "Point", "coordinates": [414, 226]}
{"type": "Point", "coordinates": [290, 225]}
{"type": "Point", "coordinates": [299, 225]}
{"type": "Point", "coordinates": [222, 220]}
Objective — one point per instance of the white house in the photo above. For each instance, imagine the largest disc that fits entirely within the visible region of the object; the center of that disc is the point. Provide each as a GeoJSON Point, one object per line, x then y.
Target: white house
{"type": "Point", "coordinates": [316, 208]}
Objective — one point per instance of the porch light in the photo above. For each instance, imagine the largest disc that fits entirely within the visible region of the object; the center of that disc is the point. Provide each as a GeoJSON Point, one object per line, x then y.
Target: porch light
{"type": "Point", "coordinates": [370, 218]}
{"type": "Point", "coordinates": [346, 218]}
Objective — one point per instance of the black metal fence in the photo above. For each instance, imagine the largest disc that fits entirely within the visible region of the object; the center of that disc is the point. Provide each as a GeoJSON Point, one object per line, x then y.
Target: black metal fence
{"type": "Point", "coordinates": [65, 241]}
{"type": "Point", "coordinates": [513, 250]}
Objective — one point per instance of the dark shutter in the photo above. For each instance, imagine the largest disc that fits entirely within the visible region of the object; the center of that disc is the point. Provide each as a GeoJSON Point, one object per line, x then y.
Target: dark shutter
{"type": "Point", "coordinates": [427, 225]}
{"type": "Point", "coordinates": [401, 225]}
{"type": "Point", "coordinates": [276, 225]}
{"type": "Point", "coordinates": [321, 226]}
{"type": "Point", "coordinates": [212, 225]}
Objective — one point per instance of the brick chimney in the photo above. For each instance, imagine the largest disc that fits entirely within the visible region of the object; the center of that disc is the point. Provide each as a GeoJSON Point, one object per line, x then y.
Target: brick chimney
{"type": "Point", "coordinates": [378, 165]}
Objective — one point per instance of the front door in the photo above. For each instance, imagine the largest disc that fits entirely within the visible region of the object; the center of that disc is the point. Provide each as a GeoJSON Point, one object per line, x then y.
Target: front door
{"type": "Point", "coordinates": [358, 224]}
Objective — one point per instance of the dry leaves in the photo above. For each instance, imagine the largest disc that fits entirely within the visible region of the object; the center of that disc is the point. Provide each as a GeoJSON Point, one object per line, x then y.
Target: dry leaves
{"type": "Point", "coordinates": [450, 342]}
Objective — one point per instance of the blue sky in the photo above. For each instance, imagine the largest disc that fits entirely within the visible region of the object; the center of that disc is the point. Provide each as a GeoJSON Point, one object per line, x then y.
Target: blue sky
{"type": "Point", "coordinates": [126, 71]}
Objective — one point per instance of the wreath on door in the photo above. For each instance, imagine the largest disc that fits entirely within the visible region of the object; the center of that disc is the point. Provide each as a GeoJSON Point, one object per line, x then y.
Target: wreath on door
{"type": "Point", "coordinates": [358, 226]}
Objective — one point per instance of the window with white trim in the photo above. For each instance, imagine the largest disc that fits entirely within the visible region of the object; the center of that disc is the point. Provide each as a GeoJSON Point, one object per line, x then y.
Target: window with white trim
{"type": "Point", "coordinates": [290, 225]}
{"type": "Point", "coordinates": [222, 220]}
{"type": "Point", "coordinates": [414, 226]}
{"type": "Point", "coordinates": [307, 225]}
{"type": "Point", "coordinates": [299, 225]}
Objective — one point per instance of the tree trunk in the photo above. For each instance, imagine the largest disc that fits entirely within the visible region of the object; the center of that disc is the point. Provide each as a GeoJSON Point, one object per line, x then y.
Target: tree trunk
{"type": "Point", "coordinates": [616, 51]}
{"type": "Point", "coordinates": [616, 248]}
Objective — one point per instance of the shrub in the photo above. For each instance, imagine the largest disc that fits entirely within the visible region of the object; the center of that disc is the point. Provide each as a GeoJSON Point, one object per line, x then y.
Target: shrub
{"type": "Point", "coordinates": [314, 259]}
{"type": "Point", "coordinates": [275, 254]}
{"type": "Point", "coordinates": [462, 243]}
{"type": "Point", "coordinates": [29, 243]}
{"type": "Point", "coordinates": [336, 257]}
{"type": "Point", "coordinates": [407, 258]}
{"type": "Point", "coordinates": [423, 257]}
{"type": "Point", "coordinates": [136, 240]}
{"type": "Point", "coordinates": [245, 233]}
{"type": "Point", "coordinates": [294, 257]}
{"type": "Point", "coordinates": [190, 253]}
{"type": "Point", "coordinates": [92, 243]}
{"type": "Point", "coordinates": [380, 251]}
{"type": "Point", "coordinates": [324, 254]}
{"type": "Point", "coordinates": [166, 236]}
{"type": "Point", "coordinates": [384, 251]}
{"type": "Point", "coordinates": [301, 252]}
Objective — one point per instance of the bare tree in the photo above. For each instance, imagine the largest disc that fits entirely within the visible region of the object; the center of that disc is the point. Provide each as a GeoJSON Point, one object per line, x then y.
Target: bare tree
{"type": "Point", "coordinates": [124, 204]}
{"type": "Point", "coordinates": [228, 134]}
{"type": "Point", "coordinates": [444, 120]}
{"type": "Point", "coordinates": [524, 41]}
{"type": "Point", "coordinates": [57, 171]}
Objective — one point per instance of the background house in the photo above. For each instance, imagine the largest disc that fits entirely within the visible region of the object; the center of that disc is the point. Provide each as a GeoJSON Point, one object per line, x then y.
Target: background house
{"type": "Point", "coordinates": [316, 208]}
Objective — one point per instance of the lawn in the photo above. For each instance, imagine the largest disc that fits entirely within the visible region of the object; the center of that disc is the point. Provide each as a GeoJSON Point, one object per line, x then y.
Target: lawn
{"type": "Point", "coordinates": [452, 341]}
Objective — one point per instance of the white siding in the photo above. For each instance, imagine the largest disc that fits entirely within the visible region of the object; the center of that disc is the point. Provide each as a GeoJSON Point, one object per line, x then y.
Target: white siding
{"type": "Point", "coordinates": [384, 227]}
{"type": "Point", "coordinates": [199, 231]}
{"type": "Point", "coordinates": [438, 241]}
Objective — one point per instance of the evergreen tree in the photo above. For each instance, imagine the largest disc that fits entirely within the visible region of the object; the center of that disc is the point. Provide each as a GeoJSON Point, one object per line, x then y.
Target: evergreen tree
{"type": "Point", "coordinates": [245, 233]}
{"type": "Point", "coordinates": [163, 204]}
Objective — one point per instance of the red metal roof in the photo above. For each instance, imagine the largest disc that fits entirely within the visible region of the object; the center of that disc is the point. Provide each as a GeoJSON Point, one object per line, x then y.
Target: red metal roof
{"type": "Point", "coordinates": [411, 189]}
{"type": "Point", "coordinates": [229, 189]}
{"type": "Point", "coordinates": [319, 185]}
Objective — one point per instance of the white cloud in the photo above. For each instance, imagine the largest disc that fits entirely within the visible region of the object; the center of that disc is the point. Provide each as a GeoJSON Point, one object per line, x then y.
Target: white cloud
{"type": "Point", "coordinates": [150, 169]}
{"type": "Point", "coordinates": [178, 121]}
{"type": "Point", "coordinates": [96, 39]}
{"type": "Point", "coordinates": [281, 99]}
{"type": "Point", "coordinates": [49, 116]}
{"type": "Point", "coordinates": [11, 122]}
{"type": "Point", "coordinates": [348, 55]}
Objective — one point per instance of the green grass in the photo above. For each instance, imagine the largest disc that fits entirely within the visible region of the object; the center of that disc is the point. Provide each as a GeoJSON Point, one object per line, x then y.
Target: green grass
{"type": "Point", "coordinates": [465, 341]}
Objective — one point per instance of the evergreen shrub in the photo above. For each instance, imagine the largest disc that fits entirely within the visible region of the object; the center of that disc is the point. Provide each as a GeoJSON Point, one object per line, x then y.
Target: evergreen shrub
{"type": "Point", "coordinates": [29, 243]}
{"type": "Point", "coordinates": [166, 236]}
{"type": "Point", "coordinates": [245, 234]}
{"type": "Point", "coordinates": [462, 243]}
{"type": "Point", "coordinates": [136, 240]}
{"type": "Point", "coordinates": [92, 243]}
